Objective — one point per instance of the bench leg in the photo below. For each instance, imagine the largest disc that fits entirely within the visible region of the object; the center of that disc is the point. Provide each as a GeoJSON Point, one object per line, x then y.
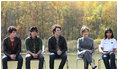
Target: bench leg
{"type": "Point", "coordinates": [99, 64]}
{"type": "Point", "coordinates": [67, 64]}
{"type": "Point", "coordinates": [44, 65]}
{"type": "Point", "coordinates": [76, 63]}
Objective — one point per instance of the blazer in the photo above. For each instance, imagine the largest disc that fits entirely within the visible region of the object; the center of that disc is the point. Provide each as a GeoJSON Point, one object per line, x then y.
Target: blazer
{"type": "Point", "coordinates": [7, 46]}
{"type": "Point", "coordinates": [52, 44]}
{"type": "Point", "coordinates": [30, 43]}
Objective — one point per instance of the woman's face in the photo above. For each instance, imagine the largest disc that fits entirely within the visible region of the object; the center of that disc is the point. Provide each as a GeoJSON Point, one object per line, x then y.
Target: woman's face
{"type": "Point", "coordinates": [108, 34]}
{"type": "Point", "coordinates": [85, 33]}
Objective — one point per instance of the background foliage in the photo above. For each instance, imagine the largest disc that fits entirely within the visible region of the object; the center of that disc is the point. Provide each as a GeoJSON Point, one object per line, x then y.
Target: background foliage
{"type": "Point", "coordinates": [71, 15]}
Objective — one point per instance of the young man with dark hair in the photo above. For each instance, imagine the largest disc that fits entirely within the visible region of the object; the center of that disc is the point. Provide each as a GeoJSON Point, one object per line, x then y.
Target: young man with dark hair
{"type": "Point", "coordinates": [34, 48]}
{"type": "Point", "coordinates": [57, 47]}
{"type": "Point", "coordinates": [12, 48]}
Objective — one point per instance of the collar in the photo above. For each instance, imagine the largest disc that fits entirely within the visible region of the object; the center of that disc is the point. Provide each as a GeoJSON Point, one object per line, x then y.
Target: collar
{"type": "Point", "coordinates": [32, 38]}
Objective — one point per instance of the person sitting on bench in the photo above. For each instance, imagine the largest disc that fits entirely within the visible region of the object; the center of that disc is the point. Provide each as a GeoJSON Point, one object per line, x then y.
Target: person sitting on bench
{"type": "Point", "coordinates": [57, 47]}
{"type": "Point", "coordinates": [34, 48]}
{"type": "Point", "coordinates": [12, 48]}
{"type": "Point", "coordinates": [108, 47]}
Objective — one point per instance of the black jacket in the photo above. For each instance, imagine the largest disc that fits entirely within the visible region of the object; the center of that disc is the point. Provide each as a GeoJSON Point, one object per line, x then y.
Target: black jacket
{"type": "Point", "coordinates": [52, 44]}
{"type": "Point", "coordinates": [29, 43]}
{"type": "Point", "coordinates": [7, 46]}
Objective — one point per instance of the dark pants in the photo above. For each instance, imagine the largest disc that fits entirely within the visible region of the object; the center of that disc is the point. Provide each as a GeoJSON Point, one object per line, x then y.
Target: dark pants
{"type": "Point", "coordinates": [106, 58]}
{"type": "Point", "coordinates": [55, 56]}
{"type": "Point", "coordinates": [40, 58]}
{"type": "Point", "coordinates": [87, 57]}
{"type": "Point", "coordinates": [7, 58]}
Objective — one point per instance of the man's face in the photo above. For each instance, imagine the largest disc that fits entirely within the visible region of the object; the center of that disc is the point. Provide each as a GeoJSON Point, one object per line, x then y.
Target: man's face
{"type": "Point", "coordinates": [33, 33]}
{"type": "Point", "coordinates": [57, 31]}
{"type": "Point", "coordinates": [13, 34]}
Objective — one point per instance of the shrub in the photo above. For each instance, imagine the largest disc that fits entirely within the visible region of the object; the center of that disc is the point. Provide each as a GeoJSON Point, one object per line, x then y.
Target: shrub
{"type": "Point", "coordinates": [97, 41]}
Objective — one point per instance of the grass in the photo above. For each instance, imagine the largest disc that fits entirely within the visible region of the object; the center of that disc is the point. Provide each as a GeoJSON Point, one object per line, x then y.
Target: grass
{"type": "Point", "coordinates": [71, 60]}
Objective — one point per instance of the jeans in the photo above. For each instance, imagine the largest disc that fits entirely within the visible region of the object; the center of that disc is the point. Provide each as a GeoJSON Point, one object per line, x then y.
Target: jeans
{"type": "Point", "coordinates": [106, 58]}
{"type": "Point", "coordinates": [40, 58]}
{"type": "Point", "coordinates": [53, 56]}
{"type": "Point", "coordinates": [7, 58]}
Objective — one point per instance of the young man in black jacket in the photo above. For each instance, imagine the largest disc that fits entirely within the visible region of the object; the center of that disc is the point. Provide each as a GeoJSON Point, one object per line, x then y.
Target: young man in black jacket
{"type": "Point", "coordinates": [57, 47]}
{"type": "Point", "coordinates": [33, 45]}
{"type": "Point", "coordinates": [12, 48]}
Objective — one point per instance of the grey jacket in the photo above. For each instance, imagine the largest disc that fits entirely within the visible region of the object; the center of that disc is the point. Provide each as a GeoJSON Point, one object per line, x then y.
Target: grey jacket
{"type": "Point", "coordinates": [84, 45]}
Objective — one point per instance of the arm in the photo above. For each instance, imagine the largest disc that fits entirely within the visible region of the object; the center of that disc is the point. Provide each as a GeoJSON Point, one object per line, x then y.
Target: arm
{"type": "Point", "coordinates": [65, 46]}
{"type": "Point", "coordinates": [92, 46]}
{"type": "Point", "coordinates": [102, 48]}
{"type": "Point", "coordinates": [19, 47]}
{"type": "Point", "coordinates": [79, 47]}
{"type": "Point", "coordinates": [29, 52]}
{"type": "Point", "coordinates": [5, 48]}
{"type": "Point", "coordinates": [114, 50]}
{"type": "Point", "coordinates": [40, 47]}
{"type": "Point", "coordinates": [105, 53]}
{"type": "Point", "coordinates": [27, 47]}
{"type": "Point", "coordinates": [114, 46]}
{"type": "Point", "coordinates": [50, 47]}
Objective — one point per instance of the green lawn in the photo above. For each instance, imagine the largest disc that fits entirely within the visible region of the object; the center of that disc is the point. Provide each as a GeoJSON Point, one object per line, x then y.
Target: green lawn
{"type": "Point", "coordinates": [71, 59]}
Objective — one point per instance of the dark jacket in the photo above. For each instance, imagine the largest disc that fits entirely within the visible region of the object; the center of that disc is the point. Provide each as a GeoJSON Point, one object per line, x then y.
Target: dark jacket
{"type": "Point", "coordinates": [7, 46]}
{"type": "Point", "coordinates": [52, 44]}
{"type": "Point", "coordinates": [29, 44]}
{"type": "Point", "coordinates": [85, 44]}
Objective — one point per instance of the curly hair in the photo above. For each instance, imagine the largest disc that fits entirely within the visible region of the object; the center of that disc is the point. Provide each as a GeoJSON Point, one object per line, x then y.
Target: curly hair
{"type": "Point", "coordinates": [11, 29]}
{"type": "Point", "coordinates": [54, 27]}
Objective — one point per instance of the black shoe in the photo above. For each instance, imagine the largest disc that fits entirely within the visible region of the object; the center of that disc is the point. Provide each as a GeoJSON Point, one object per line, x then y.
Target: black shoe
{"type": "Point", "coordinates": [94, 67]}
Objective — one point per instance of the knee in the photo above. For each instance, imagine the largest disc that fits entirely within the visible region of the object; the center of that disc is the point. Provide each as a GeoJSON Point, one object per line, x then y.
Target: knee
{"type": "Point", "coordinates": [20, 58]}
{"type": "Point", "coordinates": [112, 54]}
{"type": "Point", "coordinates": [64, 56]}
{"type": "Point", "coordinates": [104, 57]}
{"type": "Point", "coordinates": [28, 56]}
{"type": "Point", "coordinates": [4, 58]}
{"type": "Point", "coordinates": [41, 57]}
{"type": "Point", "coordinates": [52, 55]}
{"type": "Point", "coordinates": [87, 52]}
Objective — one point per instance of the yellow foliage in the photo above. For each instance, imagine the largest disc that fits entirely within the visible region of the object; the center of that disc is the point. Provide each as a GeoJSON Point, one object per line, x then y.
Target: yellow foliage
{"type": "Point", "coordinates": [98, 41]}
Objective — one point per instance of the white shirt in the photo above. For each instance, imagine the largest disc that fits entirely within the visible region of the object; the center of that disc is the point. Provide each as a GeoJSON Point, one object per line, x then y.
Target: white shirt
{"type": "Point", "coordinates": [108, 44]}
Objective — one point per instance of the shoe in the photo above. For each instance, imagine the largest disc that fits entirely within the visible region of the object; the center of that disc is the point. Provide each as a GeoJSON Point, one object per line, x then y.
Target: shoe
{"type": "Point", "coordinates": [94, 67]}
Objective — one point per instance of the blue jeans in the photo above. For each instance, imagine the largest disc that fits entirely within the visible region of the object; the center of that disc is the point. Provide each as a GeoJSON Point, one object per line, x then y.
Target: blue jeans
{"type": "Point", "coordinates": [106, 58]}
{"type": "Point", "coordinates": [40, 58]}
{"type": "Point", "coordinates": [7, 58]}
{"type": "Point", "coordinates": [54, 56]}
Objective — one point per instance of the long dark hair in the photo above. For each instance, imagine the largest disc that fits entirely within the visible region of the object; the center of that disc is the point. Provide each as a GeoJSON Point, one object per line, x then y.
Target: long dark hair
{"type": "Point", "coordinates": [108, 30]}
